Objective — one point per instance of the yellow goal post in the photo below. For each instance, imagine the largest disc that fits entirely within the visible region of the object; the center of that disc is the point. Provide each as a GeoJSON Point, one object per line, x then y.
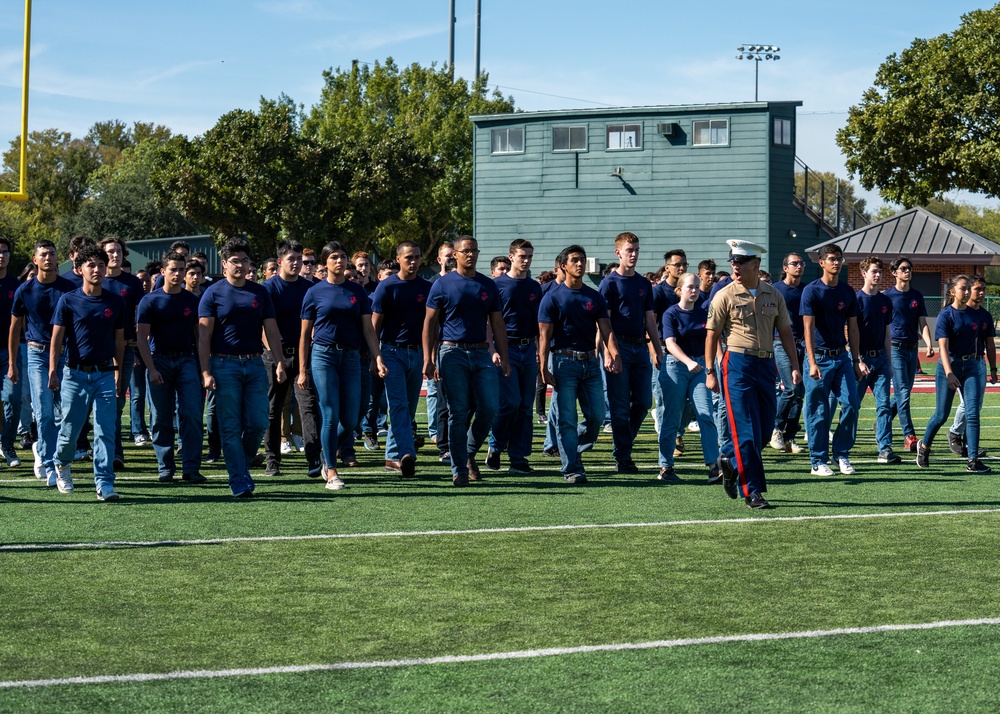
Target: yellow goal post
{"type": "Point", "coordinates": [22, 191]}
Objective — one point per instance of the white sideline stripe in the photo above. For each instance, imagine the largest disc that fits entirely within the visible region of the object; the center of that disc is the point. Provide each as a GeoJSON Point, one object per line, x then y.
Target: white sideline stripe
{"type": "Point", "coordinates": [495, 656]}
{"type": "Point", "coordinates": [477, 531]}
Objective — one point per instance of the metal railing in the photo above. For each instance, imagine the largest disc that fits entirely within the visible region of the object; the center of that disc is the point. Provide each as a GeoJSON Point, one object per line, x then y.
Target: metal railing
{"type": "Point", "coordinates": [825, 202]}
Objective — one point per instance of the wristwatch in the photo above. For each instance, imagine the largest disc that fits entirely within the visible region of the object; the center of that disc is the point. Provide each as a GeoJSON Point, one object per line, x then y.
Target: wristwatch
{"type": "Point", "coordinates": [709, 370]}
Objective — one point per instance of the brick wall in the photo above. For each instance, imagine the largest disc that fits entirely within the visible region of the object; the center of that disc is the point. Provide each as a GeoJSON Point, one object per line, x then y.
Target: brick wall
{"type": "Point", "coordinates": [947, 273]}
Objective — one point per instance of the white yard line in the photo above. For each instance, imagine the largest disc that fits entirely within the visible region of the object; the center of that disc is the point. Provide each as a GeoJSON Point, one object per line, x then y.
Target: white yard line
{"type": "Point", "coordinates": [494, 656]}
{"type": "Point", "coordinates": [479, 531]}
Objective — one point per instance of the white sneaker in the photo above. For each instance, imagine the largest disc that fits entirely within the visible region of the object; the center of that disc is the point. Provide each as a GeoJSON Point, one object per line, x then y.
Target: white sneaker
{"type": "Point", "coordinates": [694, 427]}
{"type": "Point", "coordinates": [52, 478]}
{"type": "Point", "coordinates": [80, 455]}
{"type": "Point", "coordinates": [821, 470]}
{"type": "Point", "coordinates": [287, 448]}
{"type": "Point", "coordinates": [790, 445]}
{"type": "Point", "coordinates": [39, 471]}
{"type": "Point", "coordinates": [142, 440]}
{"type": "Point", "coordinates": [64, 480]}
{"type": "Point", "coordinates": [845, 466]}
{"type": "Point", "coordinates": [831, 437]}
{"type": "Point", "coordinates": [777, 440]}
{"type": "Point", "coordinates": [335, 484]}
{"type": "Point", "coordinates": [656, 421]}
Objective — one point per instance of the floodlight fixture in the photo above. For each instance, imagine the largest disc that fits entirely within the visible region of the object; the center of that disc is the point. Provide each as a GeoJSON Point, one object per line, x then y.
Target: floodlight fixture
{"type": "Point", "coordinates": [757, 54]}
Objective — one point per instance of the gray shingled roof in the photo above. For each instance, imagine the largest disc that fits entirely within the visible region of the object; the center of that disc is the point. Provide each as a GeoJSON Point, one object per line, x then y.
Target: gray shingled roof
{"type": "Point", "coordinates": [919, 234]}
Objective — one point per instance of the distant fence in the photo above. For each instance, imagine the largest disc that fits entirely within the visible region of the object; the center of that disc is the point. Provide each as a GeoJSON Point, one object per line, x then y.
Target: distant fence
{"type": "Point", "coordinates": [936, 303]}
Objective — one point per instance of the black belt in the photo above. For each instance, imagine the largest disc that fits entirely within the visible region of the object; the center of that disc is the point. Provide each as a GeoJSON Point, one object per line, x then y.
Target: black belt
{"type": "Point", "coordinates": [289, 351]}
{"type": "Point", "coordinates": [108, 366]}
{"type": "Point", "coordinates": [467, 345]}
{"type": "Point", "coordinates": [577, 355]}
{"type": "Point", "coordinates": [340, 347]}
{"type": "Point", "coordinates": [225, 356]}
{"type": "Point", "coordinates": [522, 341]}
{"type": "Point", "coordinates": [873, 353]}
{"type": "Point", "coordinates": [905, 345]}
{"type": "Point", "coordinates": [173, 355]}
{"type": "Point", "coordinates": [830, 353]}
{"type": "Point", "coordinates": [631, 340]}
{"type": "Point", "coordinates": [403, 346]}
{"type": "Point", "coordinates": [962, 358]}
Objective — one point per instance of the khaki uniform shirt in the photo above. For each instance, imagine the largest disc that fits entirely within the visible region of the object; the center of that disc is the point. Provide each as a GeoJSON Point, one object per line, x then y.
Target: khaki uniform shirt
{"type": "Point", "coordinates": [747, 321]}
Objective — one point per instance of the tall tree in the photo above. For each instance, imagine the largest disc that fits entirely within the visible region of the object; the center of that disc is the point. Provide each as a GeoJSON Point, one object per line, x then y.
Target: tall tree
{"type": "Point", "coordinates": [833, 198]}
{"type": "Point", "coordinates": [426, 107]}
{"type": "Point", "coordinates": [929, 124]}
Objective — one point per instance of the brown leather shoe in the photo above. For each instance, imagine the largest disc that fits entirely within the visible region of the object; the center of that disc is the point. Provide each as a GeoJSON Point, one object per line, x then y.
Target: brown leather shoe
{"type": "Point", "coordinates": [408, 465]}
{"type": "Point", "coordinates": [351, 465]}
{"type": "Point", "coordinates": [393, 465]}
{"type": "Point", "coordinates": [474, 474]}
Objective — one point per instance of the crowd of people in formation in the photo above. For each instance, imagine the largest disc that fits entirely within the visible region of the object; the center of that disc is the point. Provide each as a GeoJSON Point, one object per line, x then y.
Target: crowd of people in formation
{"type": "Point", "coordinates": [313, 352]}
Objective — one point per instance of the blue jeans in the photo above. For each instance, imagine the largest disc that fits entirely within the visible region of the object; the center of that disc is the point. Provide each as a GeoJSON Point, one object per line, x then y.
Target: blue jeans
{"type": "Point", "coordinates": [576, 380]}
{"type": "Point", "coordinates": [11, 408]}
{"type": "Point", "coordinates": [968, 374]}
{"type": "Point", "coordinates": [878, 380]}
{"type": "Point", "coordinates": [241, 406]}
{"type": "Point", "coordinates": [904, 370]}
{"type": "Point", "coordinates": [137, 399]}
{"type": "Point", "coordinates": [127, 367]}
{"type": "Point", "coordinates": [791, 397]}
{"type": "Point", "coordinates": [212, 426]}
{"type": "Point", "coordinates": [958, 426]}
{"type": "Point", "coordinates": [469, 377]}
{"type": "Point", "coordinates": [402, 390]}
{"type": "Point", "coordinates": [630, 395]}
{"type": "Point", "coordinates": [512, 428]}
{"type": "Point", "coordinates": [681, 387]}
{"type": "Point", "coordinates": [80, 391]}
{"type": "Point", "coordinates": [46, 404]}
{"type": "Point", "coordinates": [336, 375]}
{"type": "Point", "coordinates": [721, 410]}
{"type": "Point", "coordinates": [837, 379]}
{"type": "Point", "coordinates": [181, 387]}
{"type": "Point", "coordinates": [658, 396]}
{"type": "Point", "coordinates": [432, 404]}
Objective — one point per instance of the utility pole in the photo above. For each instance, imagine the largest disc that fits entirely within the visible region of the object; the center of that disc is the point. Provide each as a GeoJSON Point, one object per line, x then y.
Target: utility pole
{"type": "Point", "coordinates": [479, 11]}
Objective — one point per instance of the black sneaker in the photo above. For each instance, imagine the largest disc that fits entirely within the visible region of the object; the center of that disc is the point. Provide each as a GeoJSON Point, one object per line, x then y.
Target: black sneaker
{"type": "Point", "coordinates": [955, 443]}
{"type": "Point", "coordinates": [257, 461]}
{"type": "Point", "coordinates": [492, 460]}
{"type": "Point", "coordinates": [408, 465]}
{"type": "Point", "coordinates": [371, 442]}
{"type": "Point", "coordinates": [315, 469]}
{"type": "Point", "coordinates": [194, 478]}
{"type": "Point", "coordinates": [119, 462]}
{"type": "Point", "coordinates": [756, 501]}
{"type": "Point", "coordinates": [626, 467]}
{"type": "Point", "coordinates": [575, 478]}
{"type": "Point", "coordinates": [923, 455]}
{"type": "Point", "coordinates": [520, 468]}
{"type": "Point", "coordinates": [460, 480]}
{"type": "Point", "coordinates": [272, 469]}
{"type": "Point", "coordinates": [714, 475]}
{"type": "Point", "coordinates": [889, 457]}
{"type": "Point", "coordinates": [728, 476]}
{"type": "Point", "coordinates": [667, 475]}
{"type": "Point", "coordinates": [976, 466]}
{"type": "Point", "coordinates": [166, 477]}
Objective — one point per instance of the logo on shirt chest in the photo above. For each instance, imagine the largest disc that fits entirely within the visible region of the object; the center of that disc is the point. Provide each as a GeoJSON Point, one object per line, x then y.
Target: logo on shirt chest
{"type": "Point", "coordinates": [123, 292]}
{"type": "Point", "coordinates": [531, 297]}
{"type": "Point", "coordinates": [642, 292]}
{"type": "Point", "coordinates": [254, 303]}
{"type": "Point", "coordinates": [589, 306]}
{"type": "Point", "coordinates": [841, 305]}
{"type": "Point", "coordinates": [187, 312]}
{"type": "Point", "coordinates": [108, 312]}
{"type": "Point", "coordinates": [975, 326]}
{"type": "Point", "coordinates": [483, 296]}
{"type": "Point", "coordinates": [10, 295]}
{"type": "Point", "coordinates": [420, 298]}
{"type": "Point", "coordinates": [354, 300]}
{"type": "Point", "coordinates": [913, 305]}
{"type": "Point", "coordinates": [885, 309]}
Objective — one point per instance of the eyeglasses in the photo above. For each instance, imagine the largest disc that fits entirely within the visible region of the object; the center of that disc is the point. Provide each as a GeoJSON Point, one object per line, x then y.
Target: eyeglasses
{"type": "Point", "coordinates": [677, 265]}
{"type": "Point", "coordinates": [834, 259]}
{"type": "Point", "coordinates": [4, 253]}
{"type": "Point", "coordinates": [796, 263]}
{"type": "Point", "coordinates": [238, 261]}
{"type": "Point", "coordinates": [468, 252]}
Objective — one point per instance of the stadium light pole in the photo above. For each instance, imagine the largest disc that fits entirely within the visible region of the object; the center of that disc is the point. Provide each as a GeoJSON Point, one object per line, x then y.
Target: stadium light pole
{"type": "Point", "coordinates": [757, 54]}
{"type": "Point", "coordinates": [479, 13]}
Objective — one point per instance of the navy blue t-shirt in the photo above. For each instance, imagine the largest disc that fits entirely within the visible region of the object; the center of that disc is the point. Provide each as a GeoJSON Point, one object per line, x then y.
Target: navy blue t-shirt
{"type": "Point", "coordinates": [90, 322]}
{"type": "Point", "coordinates": [239, 316]}
{"type": "Point", "coordinates": [703, 299]}
{"type": "Point", "coordinates": [74, 278]}
{"type": "Point", "coordinates": [688, 328]}
{"type": "Point", "coordinates": [628, 298]}
{"type": "Point", "coordinates": [403, 306]}
{"type": "Point", "coordinates": [520, 300]}
{"type": "Point", "coordinates": [830, 307]}
{"type": "Point", "coordinates": [36, 301]}
{"type": "Point", "coordinates": [907, 309]}
{"type": "Point", "coordinates": [8, 287]}
{"type": "Point", "coordinates": [172, 320]}
{"type": "Point", "coordinates": [129, 289]}
{"type": "Point", "coordinates": [287, 298]}
{"type": "Point", "coordinates": [466, 304]}
{"type": "Point", "coordinates": [549, 285]}
{"type": "Point", "coordinates": [874, 315]}
{"type": "Point", "coordinates": [793, 301]}
{"type": "Point", "coordinates": [986, 328]}
{"type": "Point", "coordinates": [719, 285]}
{"type": "Point", "coordinates": [961, 328]}
{"type": "Point", "coordinates": [664, 297]}
{"type": "Point", "coordinates": [336, 312]}
{"type": "Point", "coordinates": [573, 315]}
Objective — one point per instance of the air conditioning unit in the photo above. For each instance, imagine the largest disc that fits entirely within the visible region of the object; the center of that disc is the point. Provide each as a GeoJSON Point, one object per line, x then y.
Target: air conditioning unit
{"type": "Point", "coordinates": [593, 265]}
{"type": "Point", "coordinates": [667, 129]}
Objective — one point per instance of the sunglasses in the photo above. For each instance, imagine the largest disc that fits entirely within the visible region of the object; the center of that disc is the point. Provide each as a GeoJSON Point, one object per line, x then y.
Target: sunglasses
{"type": "Point", "coordinates": [308, 262]}
{"type": "Point", "coordinates": [741, 259]}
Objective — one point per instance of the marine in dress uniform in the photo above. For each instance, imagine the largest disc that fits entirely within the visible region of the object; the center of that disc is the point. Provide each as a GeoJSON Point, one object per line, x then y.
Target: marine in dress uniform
{"type": "Point", "coordinates": [746, 313]}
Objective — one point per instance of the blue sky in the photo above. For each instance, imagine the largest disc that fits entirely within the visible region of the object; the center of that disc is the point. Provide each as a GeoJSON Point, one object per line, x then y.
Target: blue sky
{"type": "Point", "coordinates": [184, 63]}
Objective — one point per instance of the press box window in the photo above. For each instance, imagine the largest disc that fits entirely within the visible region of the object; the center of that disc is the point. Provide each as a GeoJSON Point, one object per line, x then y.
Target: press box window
{"type": "Point", "coordinates": [711, 132]}
{"type": "Point", "coordinates": [625, 136]}
{"type": "Point", "coordinates": [508, 141]}
{"type": "Point", "coordinates": [783, 132]}
{"type": "Point", "coordinates": [569, 138]}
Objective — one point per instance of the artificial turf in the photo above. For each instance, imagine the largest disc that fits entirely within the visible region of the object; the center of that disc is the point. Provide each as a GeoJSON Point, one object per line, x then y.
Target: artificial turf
{"type": "Point", "coordinates": [260, 604]}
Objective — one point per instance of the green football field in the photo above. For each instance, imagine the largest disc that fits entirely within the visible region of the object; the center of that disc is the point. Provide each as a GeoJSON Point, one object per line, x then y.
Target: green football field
{"type": "Point", "coordinates": [878, 591]}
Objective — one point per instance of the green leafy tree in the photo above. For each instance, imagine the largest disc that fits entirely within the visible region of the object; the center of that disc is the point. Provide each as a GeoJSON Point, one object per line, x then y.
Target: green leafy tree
{"type": "Point", "coordinates": [825, 194]}
{"type": "Point", "coordinates": [382, 105]}
{"type": "Point", "coordinates": [929, 123]}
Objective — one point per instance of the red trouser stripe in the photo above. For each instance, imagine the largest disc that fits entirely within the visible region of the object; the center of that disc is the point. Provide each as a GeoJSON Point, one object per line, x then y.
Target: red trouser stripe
{"type": "Point", "coordinates": [732, 426]}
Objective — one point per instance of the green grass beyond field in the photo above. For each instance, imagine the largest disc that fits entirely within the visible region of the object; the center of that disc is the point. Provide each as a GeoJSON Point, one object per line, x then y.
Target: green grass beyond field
{"type": "Point", "coordinates": [675, 562]}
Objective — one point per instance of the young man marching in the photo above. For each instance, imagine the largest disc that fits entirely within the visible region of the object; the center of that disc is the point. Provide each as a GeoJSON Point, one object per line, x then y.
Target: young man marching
{"type": "Point", "coordinates": [786, 423]}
